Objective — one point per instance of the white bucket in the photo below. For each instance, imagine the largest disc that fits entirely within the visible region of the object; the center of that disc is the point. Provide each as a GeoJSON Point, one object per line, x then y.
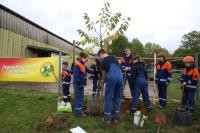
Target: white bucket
{"type": "Point", "coordinates": [137, 116]}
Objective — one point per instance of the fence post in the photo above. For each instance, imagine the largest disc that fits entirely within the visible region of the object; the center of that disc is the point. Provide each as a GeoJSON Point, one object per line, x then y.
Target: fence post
{"type": "Point", "coordinates": [60, 71]}
{"type": "Point", "coordinates": [73, 50]}
{"type": "Point", "coordinates": [197, 63]}
{"type": "Point", "coordinates": [154, 84]}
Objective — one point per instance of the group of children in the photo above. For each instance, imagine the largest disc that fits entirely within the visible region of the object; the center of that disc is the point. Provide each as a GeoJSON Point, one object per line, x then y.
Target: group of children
{"type": "Point", "coordinates": [134, 70]}
{"type": "Point", "coordinates": [188, 80]}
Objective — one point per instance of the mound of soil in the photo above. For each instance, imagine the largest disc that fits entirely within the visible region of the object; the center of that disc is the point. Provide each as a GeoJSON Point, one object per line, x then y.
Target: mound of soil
{"type": "Point", "coordinates": [55, 122]}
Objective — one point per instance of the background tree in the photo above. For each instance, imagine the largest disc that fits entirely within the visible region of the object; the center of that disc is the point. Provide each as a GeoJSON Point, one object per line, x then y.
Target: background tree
{"type": "Point", "coordinates": [117, 46]}
{"type": "Point", "coordinates": [151, 48]}
{"type": "Point", "coordinates": [104, 30]}
{"type": "Point", "coordinates": [191, 42]}
{"type": "Point", "coordinates": [137, 47]}
{"type": "Point", "coordinates": [180, 52]}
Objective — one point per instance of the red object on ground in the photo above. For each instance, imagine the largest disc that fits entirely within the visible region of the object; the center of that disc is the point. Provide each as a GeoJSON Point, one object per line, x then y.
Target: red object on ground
{"type": "Point", "coordinates": [160, 118]}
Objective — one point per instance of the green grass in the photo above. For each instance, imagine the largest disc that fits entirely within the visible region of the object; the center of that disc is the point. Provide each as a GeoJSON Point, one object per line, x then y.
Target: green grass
{"type": "Point", "coordinates": [25, 112]}
{"type": "Point", "coordinates": [174, 89]}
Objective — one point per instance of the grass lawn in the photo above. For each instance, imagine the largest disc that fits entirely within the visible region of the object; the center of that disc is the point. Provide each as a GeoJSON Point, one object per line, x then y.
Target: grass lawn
{"type": "Point", "coordinates": [26, 112]}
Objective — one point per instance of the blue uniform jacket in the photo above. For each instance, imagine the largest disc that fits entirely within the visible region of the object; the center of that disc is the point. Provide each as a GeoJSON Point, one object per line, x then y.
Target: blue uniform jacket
{"type": "Point", "coordinates": [190, 76]}
{"type": "Point", "coordinates": [66, 77]}
{"type": "Point", "coordinates": [80, 76]}
{"type": "Point", "coordinates": [164, 73]}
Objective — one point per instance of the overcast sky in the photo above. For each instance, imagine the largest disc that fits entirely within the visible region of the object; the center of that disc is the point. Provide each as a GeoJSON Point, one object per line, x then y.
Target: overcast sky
{"type": "Point", "coordinates": [159, 21]}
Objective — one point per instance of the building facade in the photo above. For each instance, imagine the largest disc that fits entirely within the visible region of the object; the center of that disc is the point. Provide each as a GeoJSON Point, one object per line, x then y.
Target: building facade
{"type": "Point", "coordinates": [20, 37]}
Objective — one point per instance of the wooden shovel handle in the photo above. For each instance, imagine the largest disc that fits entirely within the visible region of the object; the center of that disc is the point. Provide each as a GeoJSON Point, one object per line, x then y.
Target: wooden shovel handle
{"type": "Point", "coordinates": [158, 130]}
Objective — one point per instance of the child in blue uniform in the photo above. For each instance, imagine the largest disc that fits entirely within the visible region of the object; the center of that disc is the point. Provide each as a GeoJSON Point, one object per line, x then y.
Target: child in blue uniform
{"type": "Point", "coordinates": [189, 81]}
{"type": "Point", "coordinates": [79, 71]}
{"type": "Point", "coordinates": [126, 62]}
{"type": "Point", "coordinates": [139, 80]}
{"type": "Point", "coordinates": [66, 79]}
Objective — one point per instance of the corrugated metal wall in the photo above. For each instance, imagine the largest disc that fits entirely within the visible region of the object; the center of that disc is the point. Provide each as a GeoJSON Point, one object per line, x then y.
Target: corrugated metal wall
{"type": "Point", "coordinates": [16, 32]}
{"type": "Point", "coordinates": [15, 45]}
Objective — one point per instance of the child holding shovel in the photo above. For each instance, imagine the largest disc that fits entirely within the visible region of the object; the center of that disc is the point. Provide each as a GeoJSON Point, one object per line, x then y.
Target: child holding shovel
{"type": "Point", "coordinates": [189, 80]}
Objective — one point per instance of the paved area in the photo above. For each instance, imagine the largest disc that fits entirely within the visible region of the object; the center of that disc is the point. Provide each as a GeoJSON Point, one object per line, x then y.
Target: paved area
{"type": "Point", "coordinates": [54, 87]}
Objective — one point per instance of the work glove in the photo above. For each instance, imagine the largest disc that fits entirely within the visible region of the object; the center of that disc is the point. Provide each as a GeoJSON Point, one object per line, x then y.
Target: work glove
{"type": "Point", "coordinates": [126, 69]}
{"type": "Point", "coordinates": [183, 84]}
{"type": "Point", "coordinates": [123, 68]}
{"type": "Point", "coordinates": [91, 78]}
{"type": "Point", "coordinates": [189, 82]}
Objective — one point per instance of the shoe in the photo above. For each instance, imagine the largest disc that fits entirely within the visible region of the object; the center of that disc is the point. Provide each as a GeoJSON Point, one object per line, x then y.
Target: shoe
{"type": "Point", "coordinates": [80, 115]}
{"type": "Point", "coordinates": [128, 112]}
{"type": "Point", "coordinates": [69, 98]}
{"type": "Point", "coordinates": [83, 115]}
{"type": "Point", "coordinates": [161, 107]}
{"type": "Point", "coordinates": [149, 110]}
{"type": "Point", "coordinates": [107, 123]}
{"type": "Point", "coordinates": [116, 121]}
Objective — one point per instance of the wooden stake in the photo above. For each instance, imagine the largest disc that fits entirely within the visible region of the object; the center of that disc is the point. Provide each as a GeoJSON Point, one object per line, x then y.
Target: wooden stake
{"type": "Point", "coordinates": [60, 73]}
{"type": "Point", "coordinates": [101, 99]}
{"type": "Point", "coordinates": [154, 84]}
{"type": "Point", "coordinates": [197, 63]}
{"type": "Point", "coordinates": [73, 51]}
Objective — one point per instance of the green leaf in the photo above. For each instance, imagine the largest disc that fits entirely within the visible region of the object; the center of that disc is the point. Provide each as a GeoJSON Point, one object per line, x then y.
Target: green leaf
{"type": "Point", "coordinates": [108, 21]}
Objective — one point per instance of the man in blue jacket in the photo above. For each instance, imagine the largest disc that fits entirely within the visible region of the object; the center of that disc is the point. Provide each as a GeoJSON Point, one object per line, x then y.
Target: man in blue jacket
{"type": "Point", "coordinates": [113, 88]}
{"type": "Point", "coordinates": [79, 82]}
{"type": "Point", "coordinates": [126, 63]}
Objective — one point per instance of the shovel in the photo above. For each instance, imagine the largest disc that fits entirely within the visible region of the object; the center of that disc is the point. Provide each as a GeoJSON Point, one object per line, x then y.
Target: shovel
{"type": "Point", "coordinates": [124, 84]}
